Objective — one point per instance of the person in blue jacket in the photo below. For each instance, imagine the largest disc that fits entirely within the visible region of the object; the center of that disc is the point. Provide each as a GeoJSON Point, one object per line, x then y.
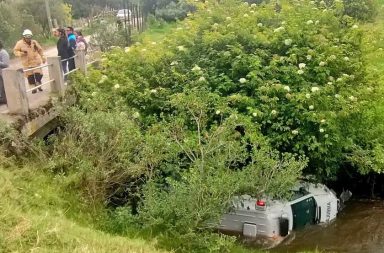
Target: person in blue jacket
{"type": "Point", "coordinates": [72, 47]}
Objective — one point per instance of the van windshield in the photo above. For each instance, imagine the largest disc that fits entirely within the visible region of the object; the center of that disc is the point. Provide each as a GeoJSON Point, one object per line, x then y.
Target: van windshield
{"type": "Point", "coordinates": [123, 11]}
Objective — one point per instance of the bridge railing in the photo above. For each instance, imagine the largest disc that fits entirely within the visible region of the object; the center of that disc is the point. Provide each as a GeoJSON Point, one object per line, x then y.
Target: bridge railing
{"type": "Point", "coordinates": [17, 93]}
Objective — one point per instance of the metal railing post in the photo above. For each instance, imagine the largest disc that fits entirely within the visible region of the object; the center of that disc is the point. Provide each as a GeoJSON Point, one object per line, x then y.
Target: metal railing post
{"type": "Point", "coordinates": [80, 61]}
{"type": "Point", "coordinates": [55, 70]}
{"type": "Point", "coordinates": [15, 91]}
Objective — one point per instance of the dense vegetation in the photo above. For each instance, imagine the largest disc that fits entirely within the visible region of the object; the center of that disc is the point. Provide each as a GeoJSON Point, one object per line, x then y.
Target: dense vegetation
{"type": "Point", "coordinates": [239, 98]}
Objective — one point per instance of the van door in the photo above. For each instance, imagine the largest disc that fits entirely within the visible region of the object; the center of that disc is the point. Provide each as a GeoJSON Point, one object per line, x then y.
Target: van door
{"type": "Point", "coordinates": [304, 213]}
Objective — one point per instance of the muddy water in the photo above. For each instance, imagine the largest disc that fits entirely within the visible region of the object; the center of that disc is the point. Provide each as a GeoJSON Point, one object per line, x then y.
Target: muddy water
{"type": "Point", "coordinates": [359, 228]}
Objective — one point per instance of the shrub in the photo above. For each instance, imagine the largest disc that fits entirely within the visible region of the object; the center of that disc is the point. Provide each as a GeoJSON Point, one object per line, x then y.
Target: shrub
{"type": "Point", "coordinates": [298, 75]}
{"type": "Point", "coordinates": [187, 207]}
{"type": "Point", "coordinates": [363, 10]}
{"type": "Point", "coordinates": [174, 11]}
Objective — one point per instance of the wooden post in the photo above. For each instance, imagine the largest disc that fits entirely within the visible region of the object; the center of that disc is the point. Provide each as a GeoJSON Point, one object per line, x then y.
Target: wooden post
{"type": "Point", "coordinates": [15, 91]}
{"type": "Point", "coordinates": [55, 70]}
{"type": "Point", "coordinates": [80, 61]}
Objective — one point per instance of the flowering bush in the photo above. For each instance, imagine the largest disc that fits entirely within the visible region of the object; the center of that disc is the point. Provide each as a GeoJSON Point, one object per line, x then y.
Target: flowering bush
{"type": "Point", "coordinates": [363, 10]}
{"type": "Point", "coordinates": [298, 75]}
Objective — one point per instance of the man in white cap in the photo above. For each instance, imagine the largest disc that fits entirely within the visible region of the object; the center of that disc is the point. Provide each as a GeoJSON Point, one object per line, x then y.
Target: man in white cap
{"type": "Point", "coordinates": [31, 55]}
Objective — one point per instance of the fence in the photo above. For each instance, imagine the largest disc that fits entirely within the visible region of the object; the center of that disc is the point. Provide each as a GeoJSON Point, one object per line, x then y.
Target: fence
{"type": "Point", "coordinates": [15, 87]}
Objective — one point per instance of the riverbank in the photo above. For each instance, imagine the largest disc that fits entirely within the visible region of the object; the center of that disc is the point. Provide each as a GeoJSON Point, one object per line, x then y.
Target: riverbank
{"type": "Point", "coordinates": [40, 214]}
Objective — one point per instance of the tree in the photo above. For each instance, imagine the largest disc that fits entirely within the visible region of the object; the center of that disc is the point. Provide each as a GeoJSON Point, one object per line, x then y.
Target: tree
{"type": "Point", "coordinates": [59, 11]}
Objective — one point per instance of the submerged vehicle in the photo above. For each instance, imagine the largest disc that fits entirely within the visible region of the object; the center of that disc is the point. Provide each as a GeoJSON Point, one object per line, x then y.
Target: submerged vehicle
{"type": "Point", "coordinates": [274, 219]}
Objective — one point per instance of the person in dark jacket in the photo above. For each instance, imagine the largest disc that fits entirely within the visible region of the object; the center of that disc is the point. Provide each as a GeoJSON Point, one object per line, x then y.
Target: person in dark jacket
{"type": "Point", "coordinates": [62, 48]}
{"type": "Point", "coordinates": [72, 47]}
{"type": "Point", "coordinates": [4, 63]}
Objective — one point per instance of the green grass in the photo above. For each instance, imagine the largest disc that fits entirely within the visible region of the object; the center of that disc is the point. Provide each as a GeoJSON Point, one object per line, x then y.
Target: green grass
{"type": "Point", "coordinates": [37, 214]}
{"type": "Point", "coordinates": [157, 32]}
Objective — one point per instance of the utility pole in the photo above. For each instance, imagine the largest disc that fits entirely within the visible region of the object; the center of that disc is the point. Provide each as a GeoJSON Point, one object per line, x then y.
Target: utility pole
{"type": "Point", "coordinates": [48, 10]}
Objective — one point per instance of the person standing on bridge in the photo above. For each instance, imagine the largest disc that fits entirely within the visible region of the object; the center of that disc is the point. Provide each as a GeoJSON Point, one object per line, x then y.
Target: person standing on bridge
{"type": "Point", "coordinates": [62, 48]}
{"type": "Point", "coordinates": [72, 47]}
{"type": "Point", "coordinates": [81, 43]}
{"type": "Point", "coordinates": [4, 63]}
{"type": "Point", "coordinates": [32, 56]}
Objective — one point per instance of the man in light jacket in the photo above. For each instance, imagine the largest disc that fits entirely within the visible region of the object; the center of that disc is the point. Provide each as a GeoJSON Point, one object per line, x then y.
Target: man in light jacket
{"type": "Point", "coordinates": [31, 55]}
{"type": "Point", "coordinates": [4, 63]}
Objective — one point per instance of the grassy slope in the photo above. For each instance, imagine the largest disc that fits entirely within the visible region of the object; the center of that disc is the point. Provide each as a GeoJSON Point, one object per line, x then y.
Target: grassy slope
{"type": "Point", "coordinates": [157, 33]}
{"type": "Point", "coordinates": [35, 217]}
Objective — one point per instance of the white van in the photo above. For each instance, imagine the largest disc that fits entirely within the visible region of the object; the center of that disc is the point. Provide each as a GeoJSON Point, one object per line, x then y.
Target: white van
{"type": "Point", "coordinates": [275, 219]}
{"type": "Point", "coordinates": [124, 14]}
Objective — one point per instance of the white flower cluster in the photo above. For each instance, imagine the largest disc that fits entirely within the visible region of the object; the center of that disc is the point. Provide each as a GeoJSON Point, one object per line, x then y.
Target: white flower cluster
{"type": "Point", "coordinates": [181, 48]}
{"type": "Point", "coordinates": [196, 68]}
{"type": "Point", "coordinates": [288, 42]}
{"type": "Point", "coordinates": [302, 65]}
{"type": "Point", "coordinates": [242, 80]}
{"type": "Point", "coordinates": [136, 115]}
{"type": "Point", "coordinates": [322, 64]}
{"type": "Point", "coordinates": [103, 79]}
{"type": "Point", "coordinates": [279, 29]}
{"type": "Point", "coordinates": [315, 89]}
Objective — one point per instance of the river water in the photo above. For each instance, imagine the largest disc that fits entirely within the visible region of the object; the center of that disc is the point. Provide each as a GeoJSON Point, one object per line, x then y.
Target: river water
{"type": "Point", "coordinates": [359, 228]}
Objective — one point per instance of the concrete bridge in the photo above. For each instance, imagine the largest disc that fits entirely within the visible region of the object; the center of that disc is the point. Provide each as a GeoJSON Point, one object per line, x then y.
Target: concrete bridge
{"type": "Point", "coordinates": [34, 114]}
